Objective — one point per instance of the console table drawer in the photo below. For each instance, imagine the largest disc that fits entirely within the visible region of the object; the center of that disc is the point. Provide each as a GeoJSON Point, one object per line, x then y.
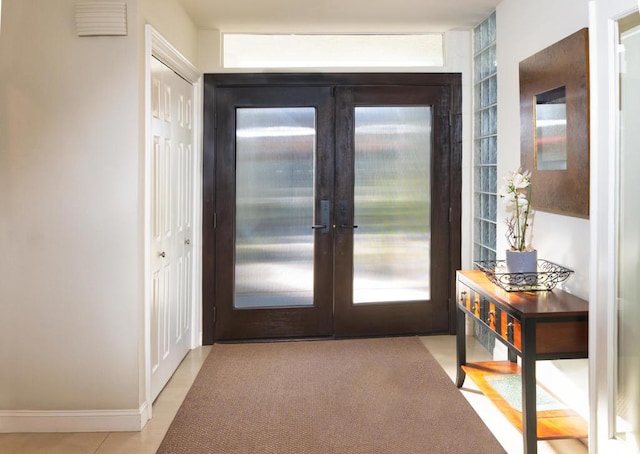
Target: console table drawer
{"type": "Point", "coordinates": [552, 337]}
{"type": "Point", "coordinates": [490, 314]}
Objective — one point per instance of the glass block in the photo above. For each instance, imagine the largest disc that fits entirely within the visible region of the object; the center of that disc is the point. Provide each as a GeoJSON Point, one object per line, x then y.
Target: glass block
{"type": "Point", "coordinates": [493, 208]}
{"type": "Point", "coordinates": [484, 210]}
{"type": "Point", "coordinates": [492, 67]}
{"type": "Point", "coordinates": [478, 229]}
{"type": "Point", "coordinates": [491, 235]}
{"type": "Point", "coordinates": [492, 127]}
{"type": "Point", "coordinates": [477, 68]}
{"type": "Point", "coordinates": [492, 179]}
{"type": "Point", "coordinates": [477, 179]}
{"type": "Point", "coordinates": [483, 149]}
{"type": "Point", "coordinates": [484, 122]}
{"type": "Point", "coordinates": [480, 151]}
{"type": "Point", "coordinates": [482, 35]}
{"type": "Point", "coordinates": [476, 39]}
{"type": "Point", "coordinates": [493, 90]}
{"type": "Point", "coordinates": [489, 91]}
{"type": "Point", "coordinates": [476, 203]}
{"type": "Point", "coordinates": [485, 140]}
{"type": "Point", "coordinates": [484, 63]}
{"type": "Point", "coordinates": [491, 27]}
{"type": "Point", "coordinates": [477, 252]}
{"type": "Point", "coordinates": [492, 150]}
{"type": "Point", "coordinates": [486, 182]}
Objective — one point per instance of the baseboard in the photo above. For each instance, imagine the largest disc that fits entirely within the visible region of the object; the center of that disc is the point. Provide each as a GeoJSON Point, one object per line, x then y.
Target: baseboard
{"type": "Point", "coordinates": [74, 421]}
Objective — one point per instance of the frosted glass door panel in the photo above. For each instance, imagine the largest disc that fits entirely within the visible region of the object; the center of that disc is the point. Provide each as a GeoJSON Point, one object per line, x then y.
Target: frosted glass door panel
{"type": "Point", "coordinates": [391, 257]}
{"type": "Point", "coordinates": [628, 348]}
{"type": "Point", "coordinates": [275, 155]}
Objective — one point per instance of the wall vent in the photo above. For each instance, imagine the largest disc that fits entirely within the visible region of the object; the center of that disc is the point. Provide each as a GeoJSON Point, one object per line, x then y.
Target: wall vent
{"type": "Point", "coordinates": [101, 18]}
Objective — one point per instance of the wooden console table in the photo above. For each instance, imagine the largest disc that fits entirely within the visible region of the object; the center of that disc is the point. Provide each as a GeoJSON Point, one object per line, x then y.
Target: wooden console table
{"type": "Point", "coordinates": [534, 326]}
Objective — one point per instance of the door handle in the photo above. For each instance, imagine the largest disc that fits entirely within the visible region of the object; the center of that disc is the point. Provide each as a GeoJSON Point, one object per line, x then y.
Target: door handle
{"type": "Point", "coordinates": [325, 214]}
{"type": "Point", "coordinates": [343, 216]}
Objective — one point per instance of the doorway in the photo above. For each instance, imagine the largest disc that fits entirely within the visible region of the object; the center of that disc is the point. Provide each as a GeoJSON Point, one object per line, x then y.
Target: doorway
{"type": "Point", "coordinates": [332, 205]}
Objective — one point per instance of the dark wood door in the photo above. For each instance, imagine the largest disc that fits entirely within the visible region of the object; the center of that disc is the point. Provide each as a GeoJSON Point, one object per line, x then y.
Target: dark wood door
{"type": "Point", "coordinates": [393, 190]}
{"type": "Point", "coordinates": [274, 184]}
{"type": "Point", "coordinates": [331, 205]}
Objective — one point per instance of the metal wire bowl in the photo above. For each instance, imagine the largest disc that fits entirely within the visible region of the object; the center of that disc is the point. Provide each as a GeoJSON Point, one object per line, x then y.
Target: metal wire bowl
{"type": "Point", "coordinates": [549, 274]}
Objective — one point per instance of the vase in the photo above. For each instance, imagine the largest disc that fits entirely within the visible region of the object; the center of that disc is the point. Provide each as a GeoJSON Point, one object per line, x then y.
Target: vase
{"type": "Point", "coordinates": [522, 261]}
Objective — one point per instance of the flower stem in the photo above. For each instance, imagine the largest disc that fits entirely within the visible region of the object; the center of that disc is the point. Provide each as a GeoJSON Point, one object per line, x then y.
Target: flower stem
{"type": "Point", "coordinates": [518, 239]}
{"type": "Point", "coordinates": [526, 218]}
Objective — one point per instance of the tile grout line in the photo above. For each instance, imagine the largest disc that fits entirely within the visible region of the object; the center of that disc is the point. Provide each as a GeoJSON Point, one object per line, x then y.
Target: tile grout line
{"type": "Point", "coordinates": [102, 443]}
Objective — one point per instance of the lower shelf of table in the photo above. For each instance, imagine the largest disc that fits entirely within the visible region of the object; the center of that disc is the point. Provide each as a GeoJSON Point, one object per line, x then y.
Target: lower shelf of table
{"type": "Point", "coordinates": [555, 422]}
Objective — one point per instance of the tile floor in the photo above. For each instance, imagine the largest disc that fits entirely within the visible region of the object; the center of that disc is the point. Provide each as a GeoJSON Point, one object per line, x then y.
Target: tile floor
{"type": "Point", "coordinates": [443, 348]}
{"type": "Point", "coordinates": [166, 406]}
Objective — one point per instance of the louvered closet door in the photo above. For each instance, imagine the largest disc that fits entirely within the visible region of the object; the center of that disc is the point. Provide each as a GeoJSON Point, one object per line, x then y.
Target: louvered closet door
{"type": "Point", "coordinates": [171, 222]}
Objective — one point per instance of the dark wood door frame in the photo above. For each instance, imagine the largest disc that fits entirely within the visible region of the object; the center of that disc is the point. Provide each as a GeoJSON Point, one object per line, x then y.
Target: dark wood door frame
{"type": "Point", "coordinates": [447, 81]}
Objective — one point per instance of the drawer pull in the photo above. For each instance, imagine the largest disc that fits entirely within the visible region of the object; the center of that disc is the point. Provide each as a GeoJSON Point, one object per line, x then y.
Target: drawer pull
{"type": "Point", "coordinates": [463, 297]}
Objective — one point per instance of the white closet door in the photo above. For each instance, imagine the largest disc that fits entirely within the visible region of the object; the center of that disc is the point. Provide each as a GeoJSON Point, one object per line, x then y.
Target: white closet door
{"type": "Point", "coordinates": [171, 222]}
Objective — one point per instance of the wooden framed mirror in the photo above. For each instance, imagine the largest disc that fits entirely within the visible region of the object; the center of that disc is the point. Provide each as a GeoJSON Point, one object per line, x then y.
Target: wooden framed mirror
{"type": "Point", "coordinates": [554, 115]}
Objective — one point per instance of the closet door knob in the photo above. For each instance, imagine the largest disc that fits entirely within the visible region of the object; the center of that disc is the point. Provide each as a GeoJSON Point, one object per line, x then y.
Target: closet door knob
{"type": "Point", "coordinates": [162, 254]}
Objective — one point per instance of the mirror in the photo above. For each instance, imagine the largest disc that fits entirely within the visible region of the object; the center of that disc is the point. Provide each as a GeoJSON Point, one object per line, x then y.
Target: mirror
{"type": "Point", "coordinates": [551, 130]}
{"type": "Point", "coordinates": [554, 125]}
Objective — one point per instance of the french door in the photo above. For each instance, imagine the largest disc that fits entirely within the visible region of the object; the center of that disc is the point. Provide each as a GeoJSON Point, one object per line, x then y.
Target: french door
{"type": "Point", "coordinates": [332, 203]}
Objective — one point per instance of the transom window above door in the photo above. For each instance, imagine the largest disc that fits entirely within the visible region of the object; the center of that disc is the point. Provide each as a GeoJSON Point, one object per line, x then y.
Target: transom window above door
{"type": "Point", "coordinates": [247, 50]}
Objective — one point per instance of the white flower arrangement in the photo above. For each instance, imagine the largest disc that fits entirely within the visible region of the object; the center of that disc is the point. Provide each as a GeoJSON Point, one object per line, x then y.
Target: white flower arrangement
{"type": "Point", "coordinates": [516, 194]}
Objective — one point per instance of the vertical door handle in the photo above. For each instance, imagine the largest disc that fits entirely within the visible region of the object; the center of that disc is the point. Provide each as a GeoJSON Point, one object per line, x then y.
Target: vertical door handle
{"type": "Point", "coordinates": [325, 215]}
{"type": "Point", "coordinates": [343, 213]}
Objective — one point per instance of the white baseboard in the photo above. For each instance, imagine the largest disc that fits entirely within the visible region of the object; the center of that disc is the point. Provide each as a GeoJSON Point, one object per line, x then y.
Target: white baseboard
{"type": "Point", "coordinates": [74, 421]}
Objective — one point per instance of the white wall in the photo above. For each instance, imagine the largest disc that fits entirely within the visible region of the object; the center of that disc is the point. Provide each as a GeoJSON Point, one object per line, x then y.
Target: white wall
{"type": "Point", "coordinates": [71, 214]}
{"type": "Point", "coordinates": [524, 28]}
{"type": "Point", "coordinates": [69, 204]}
{"type": "Point", "coordinates": [172, 22]}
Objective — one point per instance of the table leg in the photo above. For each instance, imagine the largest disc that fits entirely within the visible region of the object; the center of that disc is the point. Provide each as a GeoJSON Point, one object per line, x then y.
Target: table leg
{"type": "Point", "coordinates": [461, 346]}
{"type": "Point", "coordinates": [529, 410]}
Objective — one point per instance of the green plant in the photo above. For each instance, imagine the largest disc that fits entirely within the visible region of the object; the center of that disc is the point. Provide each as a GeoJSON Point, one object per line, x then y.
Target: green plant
{"type": "Point", "coordinates": [516, 195]}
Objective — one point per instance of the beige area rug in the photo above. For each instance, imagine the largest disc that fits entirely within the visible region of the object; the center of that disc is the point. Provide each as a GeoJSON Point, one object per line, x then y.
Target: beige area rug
{"type": "Point", "coordinates": [383, 395]}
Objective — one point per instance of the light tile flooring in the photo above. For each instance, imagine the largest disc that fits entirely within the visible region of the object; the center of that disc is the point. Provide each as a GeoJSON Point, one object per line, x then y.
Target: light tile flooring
{"type": "Point", "coordinates": [443, 348]}
{"type": "Point", "coordinates": [166, 406]}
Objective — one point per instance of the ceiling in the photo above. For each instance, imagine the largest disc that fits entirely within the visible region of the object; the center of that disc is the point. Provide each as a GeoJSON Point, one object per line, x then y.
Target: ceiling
{"type": "Point", "coordinates": [338, 16]}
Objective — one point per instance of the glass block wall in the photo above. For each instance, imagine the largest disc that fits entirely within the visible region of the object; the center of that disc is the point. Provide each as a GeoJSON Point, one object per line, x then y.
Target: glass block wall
{"type": "Point", "coordinates": [485, 140]}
